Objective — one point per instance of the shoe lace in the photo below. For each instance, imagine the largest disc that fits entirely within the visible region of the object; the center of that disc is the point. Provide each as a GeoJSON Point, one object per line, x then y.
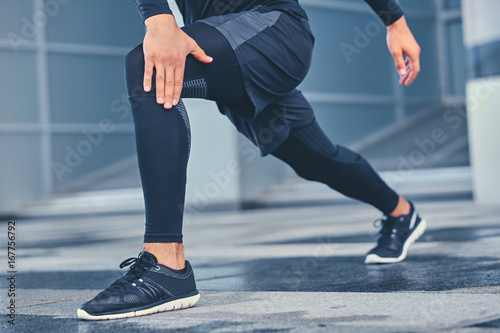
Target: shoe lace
{"type": "Point", "coordinates": [378, 224]}
{"type": "Point", "coordinates": [138, 265]}
{"type": "Point", "coordinates": [387, 228]}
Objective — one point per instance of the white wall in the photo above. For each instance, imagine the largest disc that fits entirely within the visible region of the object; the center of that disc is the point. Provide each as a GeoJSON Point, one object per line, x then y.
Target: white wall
{"type": "Point", "coordinates": [482, 32]}
{"type": "Point", "coordinates": [480, 21]}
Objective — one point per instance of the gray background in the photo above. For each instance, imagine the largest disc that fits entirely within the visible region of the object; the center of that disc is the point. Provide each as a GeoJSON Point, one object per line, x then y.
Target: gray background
{"type": "Point", "coordinates": [63, 74]}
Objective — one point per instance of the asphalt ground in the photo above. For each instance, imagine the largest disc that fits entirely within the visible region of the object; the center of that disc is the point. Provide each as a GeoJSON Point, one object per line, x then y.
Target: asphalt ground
{"type": "Point", "coordinates": [271, 270]}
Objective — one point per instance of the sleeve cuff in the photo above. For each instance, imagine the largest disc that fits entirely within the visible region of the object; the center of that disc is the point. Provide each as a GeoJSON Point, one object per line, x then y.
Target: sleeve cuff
{"type": "Point", "coordinates": [387, 10]}
{"type": "Point", "coordinates": [149, 8]}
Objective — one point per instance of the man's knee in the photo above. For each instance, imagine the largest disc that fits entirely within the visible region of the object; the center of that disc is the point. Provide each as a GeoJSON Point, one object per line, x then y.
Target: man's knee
{"type": "Point", "coordinates": [308, 174]}
{"type": "Point", "coordinates": [134, 68]}
{"type": "Point", "coordinates": [345, 155]}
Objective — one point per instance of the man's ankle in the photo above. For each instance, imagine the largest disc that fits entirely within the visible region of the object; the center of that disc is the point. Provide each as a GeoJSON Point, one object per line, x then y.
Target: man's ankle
{"type": "Point", "coordinates": [403, 208]}
{"type": "Point", "coordinates": [167, 254]}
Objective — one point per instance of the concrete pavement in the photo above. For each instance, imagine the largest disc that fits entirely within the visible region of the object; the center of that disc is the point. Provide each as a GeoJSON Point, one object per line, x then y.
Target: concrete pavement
{"type": "Point", "coordinates": [272, 270]}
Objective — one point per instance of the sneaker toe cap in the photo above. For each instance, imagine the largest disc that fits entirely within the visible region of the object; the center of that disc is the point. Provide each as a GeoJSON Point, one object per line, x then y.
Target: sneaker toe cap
{"type": "Point", "coordinates": [384, 252]}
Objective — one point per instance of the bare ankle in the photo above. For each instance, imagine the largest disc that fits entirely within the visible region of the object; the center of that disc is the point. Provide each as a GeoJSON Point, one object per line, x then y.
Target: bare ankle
{"type": "Point", "coordinates": [167, 254]}
{"type": "Point", "coordinates": [403, 208]}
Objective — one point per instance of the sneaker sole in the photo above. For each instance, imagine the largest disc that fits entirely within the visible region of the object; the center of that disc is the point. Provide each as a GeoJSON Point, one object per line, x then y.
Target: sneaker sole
{"type": "Point", "coordinates": [177, 304]}
{"type": "Point", "coordinates": [375, 259]}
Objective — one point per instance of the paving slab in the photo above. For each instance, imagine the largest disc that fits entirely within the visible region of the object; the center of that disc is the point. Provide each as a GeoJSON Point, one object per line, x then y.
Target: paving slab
{"type": "Point", "coordinates": [272, 270]}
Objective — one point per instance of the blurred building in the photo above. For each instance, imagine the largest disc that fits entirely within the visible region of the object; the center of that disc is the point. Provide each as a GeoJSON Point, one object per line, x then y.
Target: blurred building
{"type": "Point", "coordinates": [482, 40]}
{"type": "Point", "coordinates": [66, 127]}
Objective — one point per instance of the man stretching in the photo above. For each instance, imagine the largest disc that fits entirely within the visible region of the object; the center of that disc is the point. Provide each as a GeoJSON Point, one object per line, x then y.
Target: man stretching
{"type": "Point", "coordinates": [260, 50]}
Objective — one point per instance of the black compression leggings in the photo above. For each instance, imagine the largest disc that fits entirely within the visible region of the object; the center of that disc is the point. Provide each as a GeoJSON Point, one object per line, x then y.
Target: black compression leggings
{"type": "Point", "coordinates": [313, 157]}
{"type": "Point", "coordinates": [163, 139]}
{"type": "Point", "coordinates": [163, 136]}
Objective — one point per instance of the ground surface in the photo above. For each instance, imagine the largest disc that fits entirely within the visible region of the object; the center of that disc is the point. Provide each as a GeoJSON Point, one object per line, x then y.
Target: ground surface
{"type": "Point", "coordinates": [273, 270]}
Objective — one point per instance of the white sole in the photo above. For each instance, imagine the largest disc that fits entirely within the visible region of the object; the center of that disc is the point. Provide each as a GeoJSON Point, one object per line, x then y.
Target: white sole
{"type": "Point", "coordinates": [178, 304]}
{"type": "Point", "coordinates": [375, 259]}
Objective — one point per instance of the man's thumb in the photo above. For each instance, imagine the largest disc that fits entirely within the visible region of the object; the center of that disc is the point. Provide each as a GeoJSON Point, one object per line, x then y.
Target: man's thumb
{"type": "Point", "coordinates": [200, 55]}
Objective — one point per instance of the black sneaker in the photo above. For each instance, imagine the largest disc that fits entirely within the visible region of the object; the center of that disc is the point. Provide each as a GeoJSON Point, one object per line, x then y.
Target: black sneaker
{"type": "Point", "coordinates": [147, 288]}
{"type": "Point", "coordinates": [396, 236]}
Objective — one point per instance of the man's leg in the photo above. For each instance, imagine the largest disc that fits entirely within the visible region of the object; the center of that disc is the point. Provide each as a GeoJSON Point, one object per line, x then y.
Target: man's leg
{"type": "Point", "coordinates": [160, 279]}
{"type": "Point", "coordinates": [163, 138]}
{"type": "Point", "coordinates": [309, 152]}
{"type": "Point", "coordinates": [312, 155]}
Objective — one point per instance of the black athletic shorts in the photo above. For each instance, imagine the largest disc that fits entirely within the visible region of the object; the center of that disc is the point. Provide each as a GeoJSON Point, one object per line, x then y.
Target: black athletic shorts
{"type": "Point", "coordinates": [274, 50]}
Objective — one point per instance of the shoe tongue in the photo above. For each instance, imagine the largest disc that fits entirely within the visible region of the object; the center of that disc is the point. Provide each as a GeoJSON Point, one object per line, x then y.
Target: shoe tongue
{"type": "Point", "coordinates": [393, 219]}
{"type": "Point", "coordinates": [149, 257]}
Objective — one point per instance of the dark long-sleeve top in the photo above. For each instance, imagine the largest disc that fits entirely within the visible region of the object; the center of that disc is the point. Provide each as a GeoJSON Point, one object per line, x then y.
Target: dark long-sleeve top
{"type": "Point", "coordinates": [192, 10]}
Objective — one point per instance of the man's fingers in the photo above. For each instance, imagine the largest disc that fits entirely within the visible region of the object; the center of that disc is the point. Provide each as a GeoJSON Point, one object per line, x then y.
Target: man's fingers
{"type": "Point", "coordinates": [178, 83]}
{"type": "Point", "coordinates": [169, 87]}
{"type": "Point", "coordinates": [399, 62]}
{"type": "Point", "coordinates": [168, 64]}
{"type": "Point", "coordinates": [148, 75]}
{"type": "Point", "coordinates": [415, 61]}
{"type": "Point", "coordinates": [402, 43]}
{"type": "Point", "coordinates": [160, 85]}
{"type": "Point", "coordinates": [415, 68]}
{"type": "Point", "coordinates": [411, 78]}
{"type": "Point", "coordinates": [403, 78]}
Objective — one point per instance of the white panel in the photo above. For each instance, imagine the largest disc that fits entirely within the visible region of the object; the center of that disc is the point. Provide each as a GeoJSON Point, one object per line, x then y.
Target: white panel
{"type": "Point", "coordinates": [213, 153]}
{"type": "Point", "coordinates": [481, 23]}
{"type": "Point", "coordinates": [483, 99]}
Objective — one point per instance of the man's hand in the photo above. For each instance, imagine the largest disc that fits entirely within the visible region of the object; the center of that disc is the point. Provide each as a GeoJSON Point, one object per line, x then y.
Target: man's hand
{"type": "Point", "coordinates": [402, 43]}
{"type": "Point", "coordinates": [166, 47]}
